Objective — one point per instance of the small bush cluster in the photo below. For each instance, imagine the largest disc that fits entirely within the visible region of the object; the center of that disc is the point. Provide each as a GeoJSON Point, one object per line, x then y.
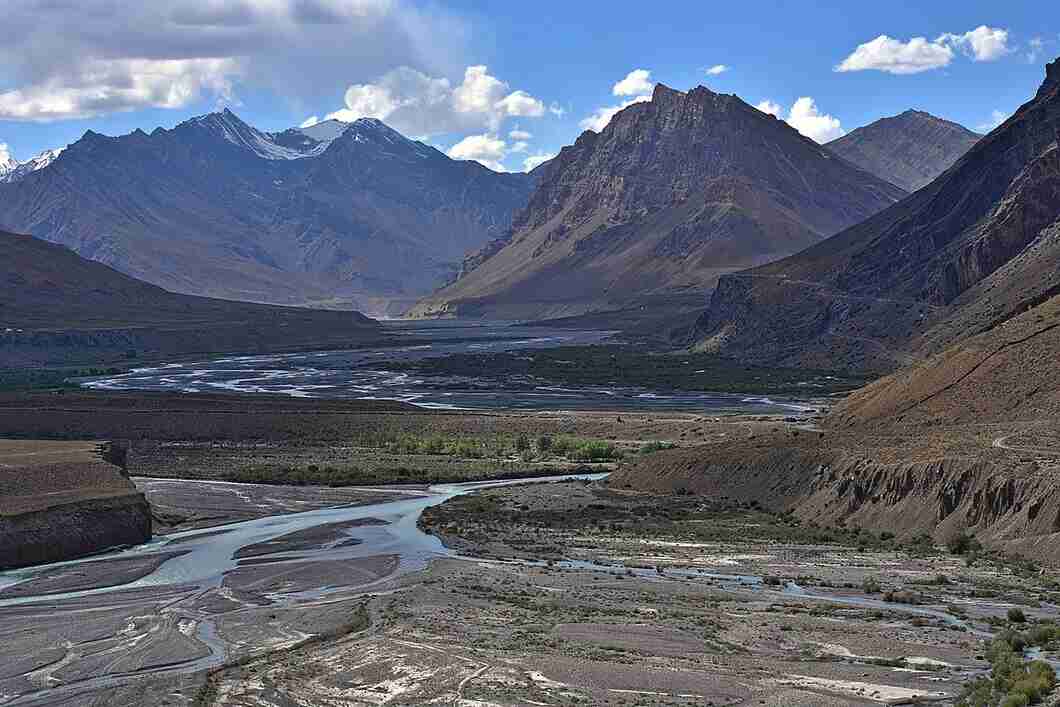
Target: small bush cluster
{"type": "Point", "coordinates": [1013, 681]}
{"type": "Point", "coordinates": [520, 446]}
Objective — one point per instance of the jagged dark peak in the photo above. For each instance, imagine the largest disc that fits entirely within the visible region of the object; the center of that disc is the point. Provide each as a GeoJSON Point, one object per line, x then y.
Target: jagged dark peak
{"type": "Point", "coordinates": [1052, 78]}
{"type": "Point", "coordinates": [663, 92]}
{"type": "Point", "coordinates": [222, 119]}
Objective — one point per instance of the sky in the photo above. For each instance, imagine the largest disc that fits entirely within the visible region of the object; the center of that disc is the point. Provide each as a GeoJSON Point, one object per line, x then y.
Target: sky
{"type": "Point", "coordinates": [507, 84]}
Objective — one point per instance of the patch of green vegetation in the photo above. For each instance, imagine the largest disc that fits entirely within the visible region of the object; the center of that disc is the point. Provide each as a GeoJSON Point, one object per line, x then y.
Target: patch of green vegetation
{"type": "Point", "coordinates": [500, 447]}
{"type": "Point", "coordinates": [617, 365]}
{"type": "Point", "coordinates": [333, 476]}
{"type": "Point", "coordinates": [1013, 681]}
{"type": "Point", "coordinates": [33, 378]}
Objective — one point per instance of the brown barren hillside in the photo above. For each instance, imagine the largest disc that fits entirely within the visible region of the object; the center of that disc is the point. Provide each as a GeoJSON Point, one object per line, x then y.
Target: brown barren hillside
{"type": "Point", "coordinates": [910, 149]}
{"type": "Point", "coordinates": [970, 250]}
{"type": "Point", "coordinates": [966, 436]}
{"type": "Point", "coordinates": [57, 307]}
{"type": "Point", "coordinates": [672, 194]}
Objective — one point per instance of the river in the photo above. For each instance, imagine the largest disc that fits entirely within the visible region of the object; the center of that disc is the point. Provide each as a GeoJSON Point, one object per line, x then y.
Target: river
{"type": "Point", "coordinates": [369, 374]}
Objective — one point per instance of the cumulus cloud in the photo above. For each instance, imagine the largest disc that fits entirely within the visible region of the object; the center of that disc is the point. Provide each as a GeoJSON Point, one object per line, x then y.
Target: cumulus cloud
{"type": "Point", "coordinates": [997, 117]}
{"type": "Point", "coordinates": [520, 146]}
{"type": "Point", "coordinates": [717, 70]}
{"type": "Point", "coordinates": [636, 83]}
{"type": "Point", "coordinates": [519, 134]}
{"type": "Point", "coordinates": [982, 43]}
{"type": "Point", "coordinates": [557, 110]}
{"type": "Point", "coordinates": [5, 155]}
{"type": "Point", "coordinates": [417, 104]}
{"type": "Point", "coordinates": [805, 117]}
{"type": "Point", "coordinates": [537, 160]}
{"type": "Point", "coordinates": [309, 122]}
{"type": "Point", "coordinates": [520, 103]}
{"type": "Point", "coordinates": [894, 56]}
{"type": "Point", "coordinates": [920, 54]}
{"type": "Point", "coordinates": [74, 59]}
{"type": "Point", "coordinates": [487, 149]}
{"type": "Point", "coordinates": [815, 125]}
{"type": "Point", "coordinates": [771, 108]}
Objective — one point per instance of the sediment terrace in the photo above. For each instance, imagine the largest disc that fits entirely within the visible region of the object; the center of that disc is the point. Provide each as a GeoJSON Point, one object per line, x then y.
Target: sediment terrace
{"type": "Point", "coordinates": [940, 484]}
{"type": "Point", "coordinates": [62, 500]}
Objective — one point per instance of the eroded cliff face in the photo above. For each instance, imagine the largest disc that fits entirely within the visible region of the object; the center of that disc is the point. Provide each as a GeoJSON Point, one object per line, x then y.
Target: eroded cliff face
{"type": "Point", "coordinates": [1005, 502]}
{"type": "Point", "coordinates": [73, 530]}
{"type": "Point", "coordinates": [64, 500]}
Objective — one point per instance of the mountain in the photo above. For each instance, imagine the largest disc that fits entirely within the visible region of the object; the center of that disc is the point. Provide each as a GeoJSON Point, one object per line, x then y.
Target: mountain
{"type": "Point", "coordinates": [339, 215]}
{"type": "Point", "coordinates": [671, 194]}
{"type": "Point", "coordinates": [909, 150]}
{"type": "Point", "coordinates": [57, 307]}
{"type": "Point", "coordinates": [8, 165]}
{"type": "Point", "coordinates": [966, 254]}
{"type": "Point", "coordinates": [12, 171]}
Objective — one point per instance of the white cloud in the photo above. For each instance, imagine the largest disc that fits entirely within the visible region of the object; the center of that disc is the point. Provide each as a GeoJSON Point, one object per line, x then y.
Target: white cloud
{"type": "Point", "coordinates": [63, 59]}
{"type": "Point", "coordinates": [819, 127]}
{"type": "Point", "coordinates": [717, 70]}
{"type": "Point", "coordinates": [982, 43]}
{"type": "Point", "coordinates": [557, 110]}
{"type": "Point", "coordinates": [537, 160]}
{"type": "Point", "coordinates": [486, 149]}
{"type": "Point", "coordinates": [521, 103]}
{"type": "Point", "coordinates": [919, 54]}
{"type": "Point", "coordinates": [805, 117]}
{"type": "Point", "coordinates": [602, 116]}
{"type": "Point", "coordinates": [518, 134]}
{"type": "Point", "coordinates": [6, 159]}
{"type": "Point", "coordinates": [520, 146]}
{"type": "Point", "coordinates": [771, 108]}
{"type": "Point", "coordinates": [417, 104]}
{"type": "Point", "coordinates": [997, 117]}
{"type": "Point", "coordinates": [99, 87]}
{"type": "Point", "coordinates": [897, 57]}
{"type": "Point", "coordinates": [636, 83]}
{"type": "Point", "coordinates": [309, 122]}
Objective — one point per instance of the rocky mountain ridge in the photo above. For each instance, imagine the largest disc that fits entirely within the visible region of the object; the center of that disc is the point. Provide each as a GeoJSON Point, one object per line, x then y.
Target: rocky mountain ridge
{"type": "Point", "coordinates": [972, 249]}
{"type": "Point", "coordinates": [909, 150]}
{"type": "Point", "coordinates": [345, 216]}
{"type": "Point", "coordinates": [671, 194]}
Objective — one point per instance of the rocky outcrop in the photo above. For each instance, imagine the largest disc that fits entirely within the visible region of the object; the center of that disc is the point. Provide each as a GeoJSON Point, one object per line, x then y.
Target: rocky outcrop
{"type": "Point", "coordinates": [874, 295]}
{"type": "Point", "coordinates": [909, 150]}
{"type": "Point", "coordinates": [73, 530]}
{"type": "Point", "coordinates": [671, 194]}
{"type": "Point", "coordinates": [64, 500]}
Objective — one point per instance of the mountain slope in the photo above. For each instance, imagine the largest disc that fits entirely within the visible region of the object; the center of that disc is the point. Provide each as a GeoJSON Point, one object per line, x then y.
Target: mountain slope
{"type": "Point", "coordinates": [56, 306]}
{"type": "Point", "coordinates": [362, 218]}
{"type": "Point", "coordinates": [670, 195]}
{"type": "Point", "coordinates": [909, 150]}
{"type": "Point", "coordinates": [976, 247]}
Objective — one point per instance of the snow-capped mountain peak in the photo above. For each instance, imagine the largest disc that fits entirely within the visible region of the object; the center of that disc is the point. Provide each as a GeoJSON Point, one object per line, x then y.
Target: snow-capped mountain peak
{"type": "Point", "coordinates": [325, 130]}
{"type": "Point", "coordinates": [229, 127]}
{"type": "Point", "coordinates": [13, 171]}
